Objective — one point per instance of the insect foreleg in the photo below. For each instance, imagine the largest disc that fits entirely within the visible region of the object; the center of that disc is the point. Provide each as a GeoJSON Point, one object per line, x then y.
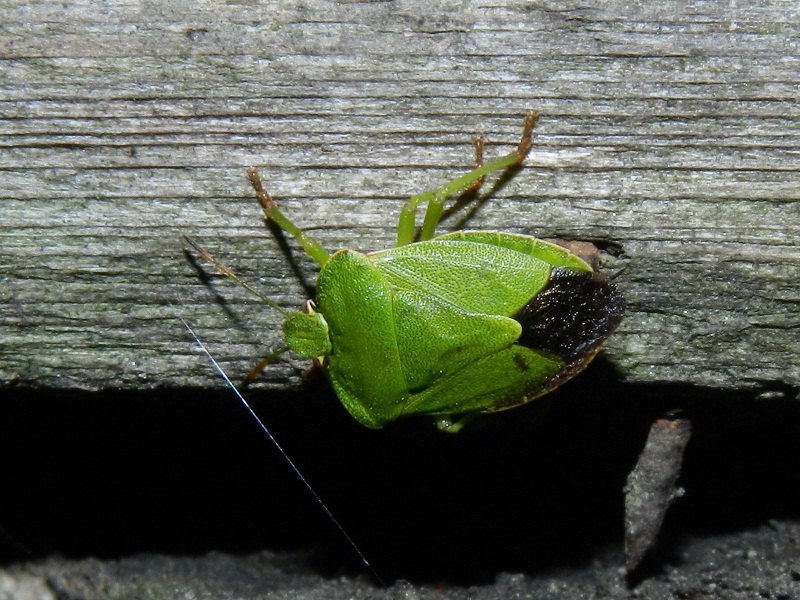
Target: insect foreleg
{"type": "Point", "coordinates": [309, 244]}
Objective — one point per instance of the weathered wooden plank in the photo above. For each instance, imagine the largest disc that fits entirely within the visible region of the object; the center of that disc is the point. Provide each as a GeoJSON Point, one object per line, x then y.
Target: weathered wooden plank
{"type": "Point", "coordinates": [669, 135]}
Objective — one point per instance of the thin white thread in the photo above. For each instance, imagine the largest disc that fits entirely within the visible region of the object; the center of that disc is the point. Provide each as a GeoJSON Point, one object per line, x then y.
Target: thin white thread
{"type": "Point", "coordinates": [288, 460]}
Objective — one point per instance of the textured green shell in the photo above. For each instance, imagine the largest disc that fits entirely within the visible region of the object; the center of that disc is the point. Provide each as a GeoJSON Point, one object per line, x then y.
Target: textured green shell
{"type": "Point", "coordinates": [429, 328]}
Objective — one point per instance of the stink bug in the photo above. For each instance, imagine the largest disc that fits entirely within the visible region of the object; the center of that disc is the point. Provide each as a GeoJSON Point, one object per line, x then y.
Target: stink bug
{"type": "Point", "coordinates": [462, 323]}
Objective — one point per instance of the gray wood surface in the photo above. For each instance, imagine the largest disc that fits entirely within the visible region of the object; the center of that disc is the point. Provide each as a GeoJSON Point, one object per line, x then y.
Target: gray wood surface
{"type": "Point", "coordinates": [670, 135]}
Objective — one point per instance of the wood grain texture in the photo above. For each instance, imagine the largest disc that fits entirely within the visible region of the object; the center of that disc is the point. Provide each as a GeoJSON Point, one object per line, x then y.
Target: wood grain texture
{"type": "Point", "coordinates": [670, 135]}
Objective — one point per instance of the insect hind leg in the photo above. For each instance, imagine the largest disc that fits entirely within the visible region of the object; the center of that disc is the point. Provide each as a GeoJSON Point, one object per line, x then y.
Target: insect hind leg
{"type": "Point", "coordinates": [435, 198]}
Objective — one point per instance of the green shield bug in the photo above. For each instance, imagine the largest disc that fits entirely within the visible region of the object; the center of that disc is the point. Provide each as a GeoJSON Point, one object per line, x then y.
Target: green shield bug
{"type": "Point", "coordinates": [453, 325]}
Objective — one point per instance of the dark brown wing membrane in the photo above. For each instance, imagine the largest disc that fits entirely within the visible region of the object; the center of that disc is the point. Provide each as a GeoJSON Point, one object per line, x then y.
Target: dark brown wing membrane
{"type": "Point", "coordinates": [572, 316]}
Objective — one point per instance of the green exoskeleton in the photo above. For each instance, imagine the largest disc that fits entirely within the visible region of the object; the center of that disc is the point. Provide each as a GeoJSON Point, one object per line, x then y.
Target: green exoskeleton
{"type": "Point", "coordinates": [462, 323]}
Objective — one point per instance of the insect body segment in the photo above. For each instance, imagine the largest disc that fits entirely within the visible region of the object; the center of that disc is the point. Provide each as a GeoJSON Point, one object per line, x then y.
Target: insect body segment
{"type": "Point", "coordinates": [306, 333]}
{"type": "Point", "coordinates": [462, 323]}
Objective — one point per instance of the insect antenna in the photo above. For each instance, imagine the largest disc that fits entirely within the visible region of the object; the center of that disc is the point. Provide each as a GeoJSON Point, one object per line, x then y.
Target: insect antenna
{"type": "Point", "coordinates": [243, 401]}
{"type": "Point", "coordinates": [233, 276]}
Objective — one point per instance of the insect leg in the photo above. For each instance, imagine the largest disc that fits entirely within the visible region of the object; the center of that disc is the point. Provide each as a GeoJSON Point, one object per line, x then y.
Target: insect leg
{"type": "Point", "coordinates": [309, 244]}
{"type": "Point", "coordinates": [477, 143]}
{"type": "Point", "coordinates": [435, 198]}
{"type": "Point", "coordinates": [205, 255]}
{"type": "Point", "coordinates": [446, 424]}
{"type": "Point", "coordinates": [264, 363]}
